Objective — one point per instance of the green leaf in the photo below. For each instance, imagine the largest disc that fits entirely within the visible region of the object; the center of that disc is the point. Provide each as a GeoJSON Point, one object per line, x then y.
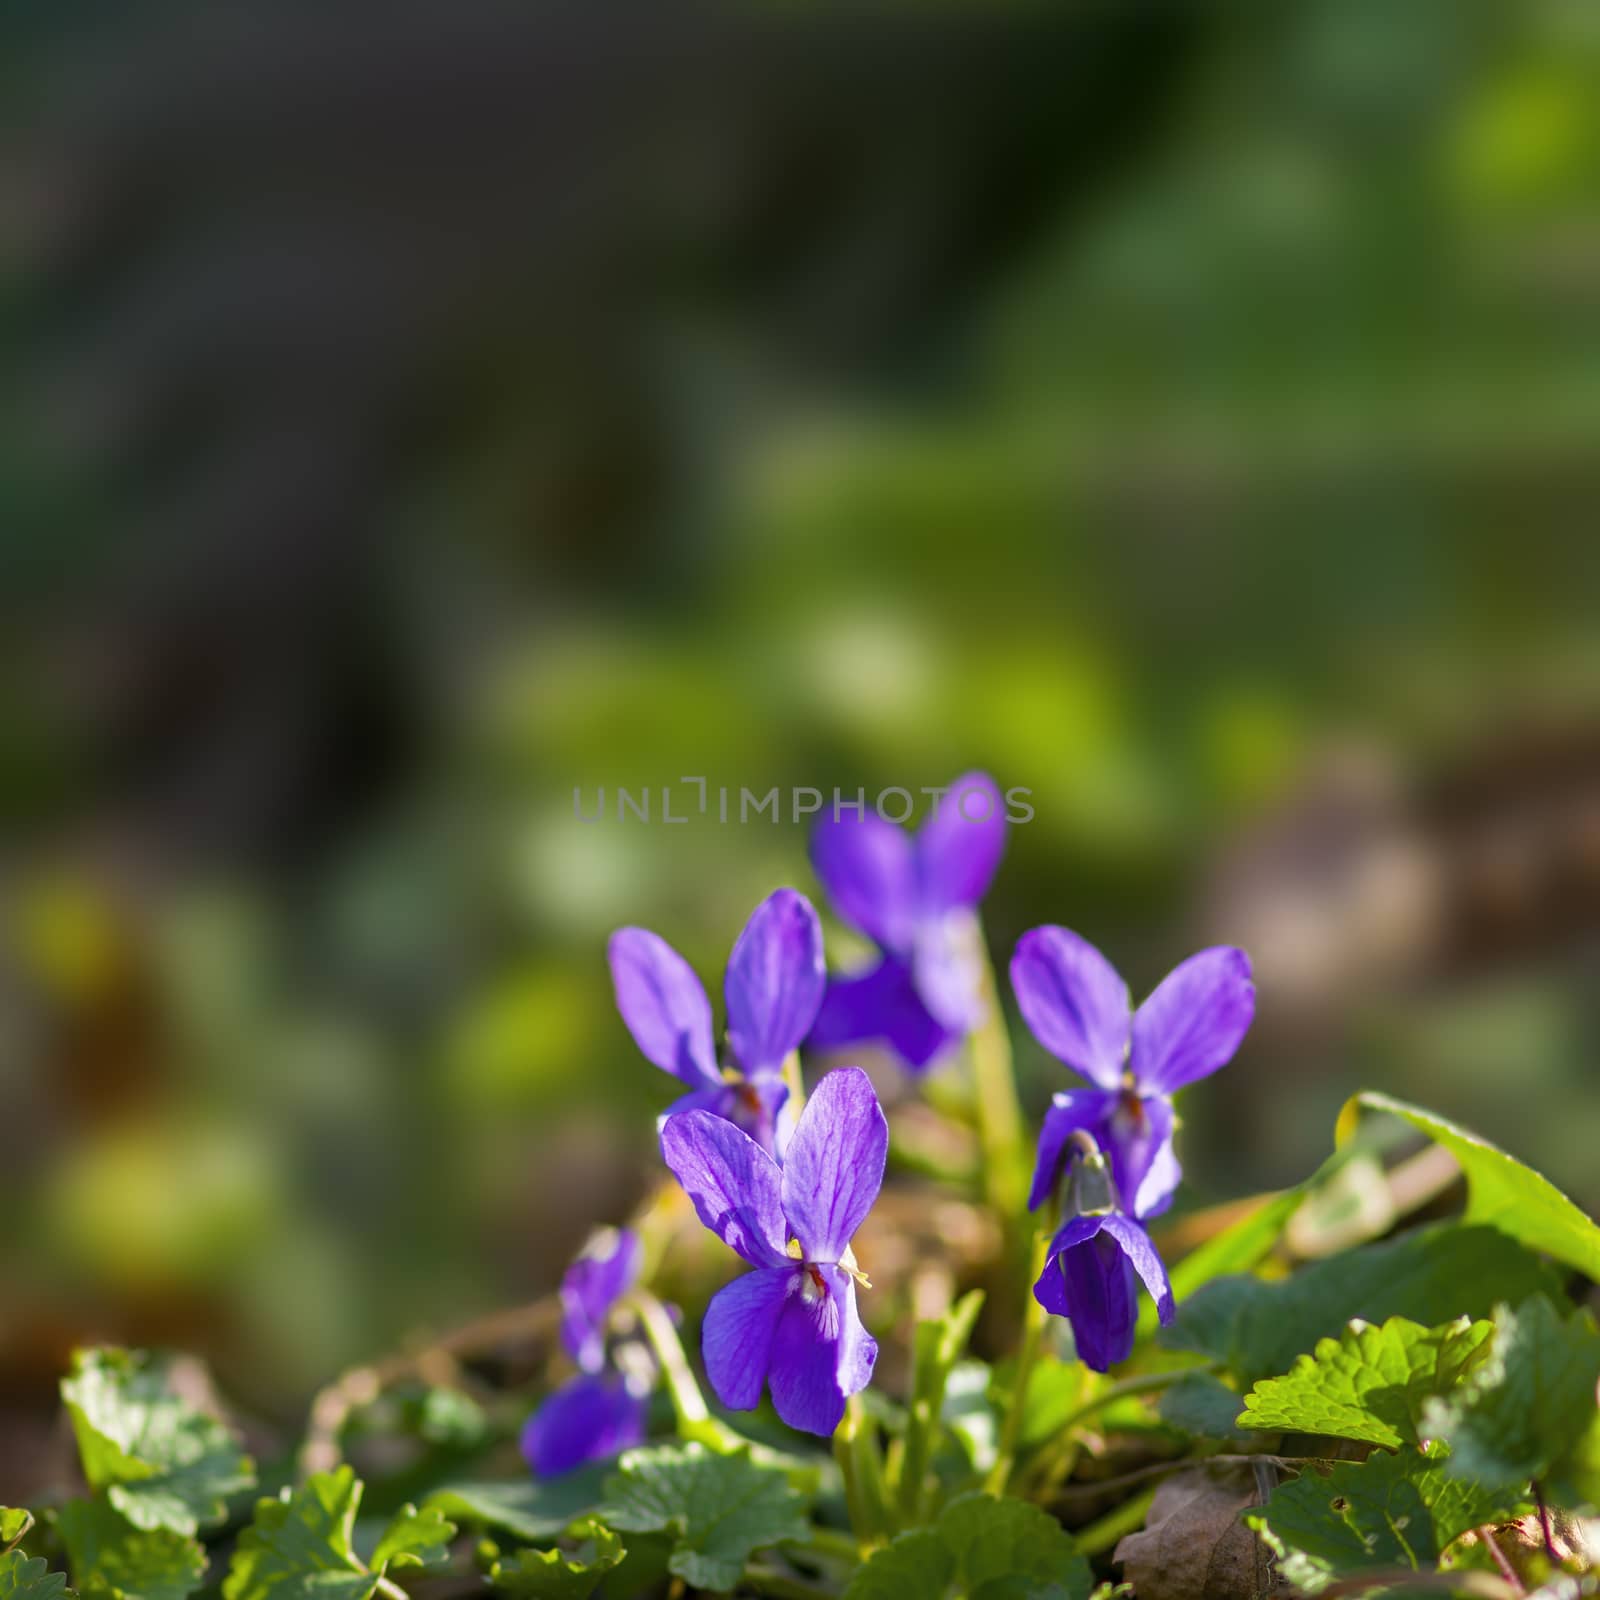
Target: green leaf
{"type": "Point", "coordinates": [526, 1508]}
{"type": "Point", "coordinates": [24, 1579]}
{"type": "Point", "coordinates": [13, 1524]}
{"type": "Point", "coordinates": [719, 1508]}
{"type": "Point", "coordinates": [414, 1539]}
{"type": "Point", "coordinates": [917, 1563]}
{"type": "Point", "coordinates": [1369, 1383]}
{"type": "Point", "coordinates": [299, 1545]}
{"type": "Point", "coordinates": [1528, 1404]}
{"type": "Point", "coordinates": [996, 1539]}
{"type": "Point", "coordinates": [1501, 1192]}
{"type": "Point", "coordinates": [1000, 1549]}
{"type": "Point", "coordinates": [556, 1575]}
{"type": "Point", "coordinates": [1385, 1513]}
{"type": "Point", "coordinates": [162, 1463]}
{"type": "Point", "coordinates": [1202, 1406]}
{"type": "Point", "coordinates": [1256, 1328]}
{"type": "Point", "coordinates": [110, 1557]}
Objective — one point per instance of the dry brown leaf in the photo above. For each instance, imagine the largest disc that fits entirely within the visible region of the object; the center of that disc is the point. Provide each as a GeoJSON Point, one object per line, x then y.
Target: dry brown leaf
{"type": "Point", "coordinates": [1193, 1545]}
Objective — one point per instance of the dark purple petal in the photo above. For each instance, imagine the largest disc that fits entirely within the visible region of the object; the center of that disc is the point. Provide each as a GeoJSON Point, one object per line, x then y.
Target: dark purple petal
{"type": "Point", "coordinates": [1193, 1021]}
{"type": "Point", "coordinates": [1051, 1290]}
{"type": "Point", "coordinates": [663, 1004]}
{"type": "Point", "coordinates": [775, 981]}
{"type": "Point", "coordinates": [821, 1354]}
{"type": "Point", "coordinates": [588, 1419]}
{"type": "Point", "coordinates": [882, 1004]}
{"type": "Point", "coordinates": [1073, 1001]}
{"type": "Point", "coordinates": [960, 846]}
{"type": "Point", "coordinates": [736, 1338]}
{"type": "Point", "coordinates": [1070, 1110]}
{"type": "Point", "coordinates": [868, 867]}
{"type": "Point", "coordinates": [1102, 1298]}
{"type": "Point", "coordinates": [735, 1185]}
{"type": "Point", "coordinates": [607, 1269]}
{"type": "Point", "coordinates": [1138, 1138]}
{"type": "Point", "coordinates": [833, 1168]}
{"type": "Point", "coordinates": [945, 970]}
{"type": "Point", "coordinates": [1146, 1260]}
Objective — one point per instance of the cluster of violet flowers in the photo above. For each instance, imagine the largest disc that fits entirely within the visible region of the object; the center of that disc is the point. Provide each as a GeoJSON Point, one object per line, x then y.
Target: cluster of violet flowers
{"type": "Point", "coordinates": [786, 1188]}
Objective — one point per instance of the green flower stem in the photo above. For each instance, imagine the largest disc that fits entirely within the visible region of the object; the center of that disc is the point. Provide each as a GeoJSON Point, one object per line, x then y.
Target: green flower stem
{"type": "Point", "coordinates": [1141, 1383]}
{"type": "Point", "coordinates": [1043, 1470]}
{"type": "Point", "coordinates": [1034, 1317]}
{"type": "Point", "coordinates": [855, 1448]}
{"type": "Point", "coordinates": [833, 1542]}
{"type": "Point", "coordinates": [1124, 1519]}
{"type": "Point", "coordinates": [763, 1580]}
{"type": "Point", "coordinates": [687, 1401]}
{"type": "Point", "coordinates": [995, 1089]}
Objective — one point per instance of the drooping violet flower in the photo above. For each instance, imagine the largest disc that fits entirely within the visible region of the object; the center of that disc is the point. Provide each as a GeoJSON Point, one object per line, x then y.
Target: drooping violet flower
{"type": "Point", "coordinates": [792, 1323]}
{"type": "Point", "coordinates": [914, 896]}
{"type": "Point", "coordinates": [773, 986]}
{"type": "Point", "coordinates": [1095, 1259]}
{"type": "Point", "coordinates": [603, 1409]}
{"type": "Point", "coordinates": [1076, 1006]}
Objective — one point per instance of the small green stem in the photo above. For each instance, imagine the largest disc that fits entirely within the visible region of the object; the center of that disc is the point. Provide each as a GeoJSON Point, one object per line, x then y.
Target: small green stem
{"type": "Point", "coordinates": [995, 1087]}
{"type": "Point", "coordinates": [763, 1580]}
{"type": "Point", "coordinates": [1041, 1470]}
{"type": "Point", "coordinates": [833, 1542]}
{"type": "Point", "coordinates": [1140, 1383]}
{"type": "Point", "coordinates": [1034, 1317]}
{"type": "Point", "coordinates": [855, 1448]}
{"type": "Point", "coordinates": [1124, 1519]}
{"type": "Point", "coordinates": [687, 1401]}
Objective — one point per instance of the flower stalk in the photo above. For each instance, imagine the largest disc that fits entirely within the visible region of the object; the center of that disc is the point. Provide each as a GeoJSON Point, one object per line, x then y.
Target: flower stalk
{"type": "Point", "coordinates": [688, 1403]}
{"type": "Point", "coordinates": [855, 1448]}
{"type": "Point", "coordinates": [994, 1083]}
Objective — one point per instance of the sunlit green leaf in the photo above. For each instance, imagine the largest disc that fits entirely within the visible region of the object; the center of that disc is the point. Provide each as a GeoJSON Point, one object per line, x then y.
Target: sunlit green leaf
{"type": "Point", "coordinates": [14, 1523]}
{"type": "Point", "coordinates": [25, 1579]}
{"type": "Point", "coordinates": [1370, 1383]}
{"type": "Point", "coordinates": [162, 1463]}
{"type": "Point", "coordinates": [557, 1574]}
{"type": "Point", "coordinates": [414, 1539]}
{"type": "Point", "coordinates": [1501, 1191]}
{"type": "Point", "coordinates": [299, 1545]}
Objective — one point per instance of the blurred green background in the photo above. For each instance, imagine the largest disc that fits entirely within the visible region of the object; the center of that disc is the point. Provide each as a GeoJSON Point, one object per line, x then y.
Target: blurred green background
{"type": "Point", "coordinates": [1189, 414]}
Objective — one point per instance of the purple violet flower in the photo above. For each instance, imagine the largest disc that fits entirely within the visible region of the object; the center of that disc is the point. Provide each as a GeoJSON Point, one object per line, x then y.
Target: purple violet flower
{"type": "Point", "coordinates": [1090, 1279]}
{"type": "Point", "coordinates": [1077, 1007]}
{"type": "Point", "coordinates": [792, 1323]}
{"type": "Point", "coordinates": [773, 987]}
{"type": "Point", "coordinates": [603, 1409]}
{"type": "Point", "coordinates": [1090, 1273]}
{"type": "Point", "coordinates": [914, 897]}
